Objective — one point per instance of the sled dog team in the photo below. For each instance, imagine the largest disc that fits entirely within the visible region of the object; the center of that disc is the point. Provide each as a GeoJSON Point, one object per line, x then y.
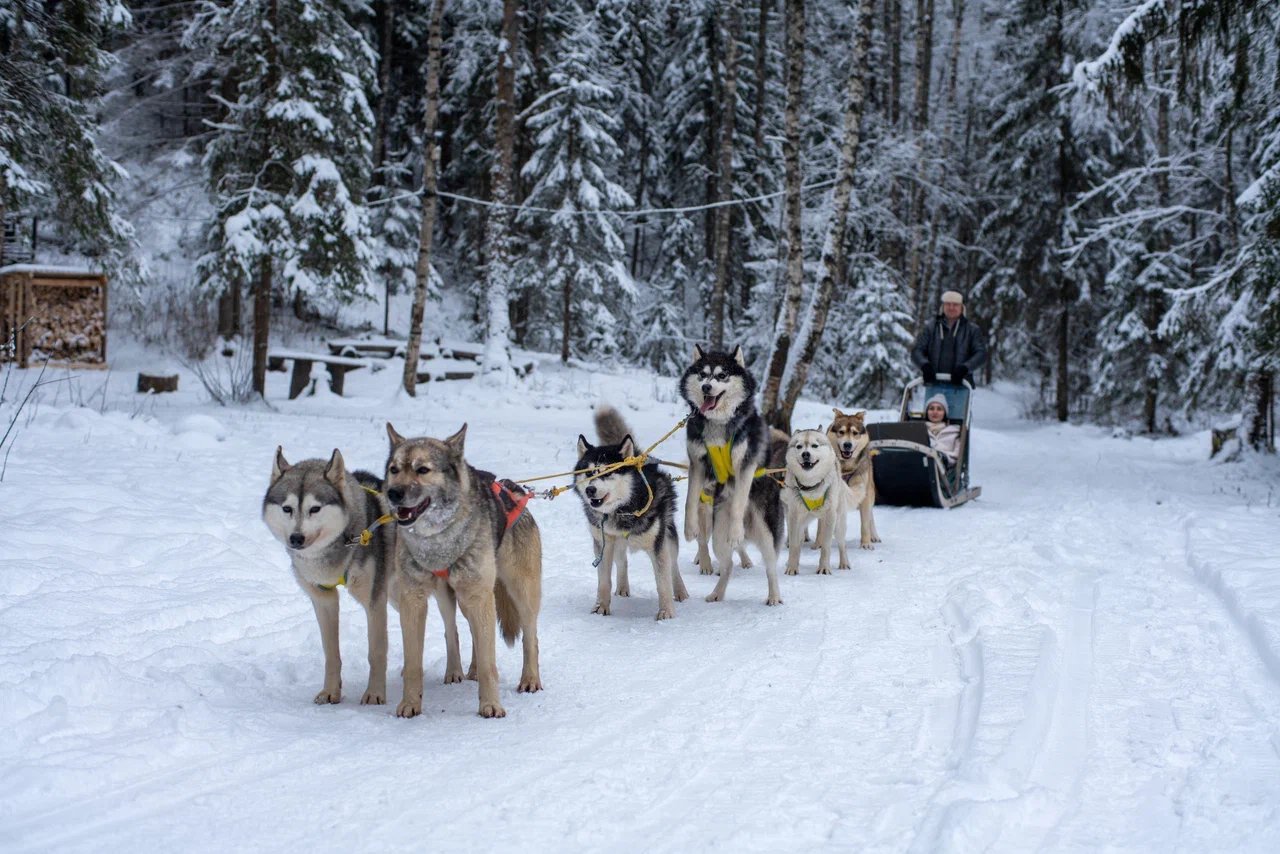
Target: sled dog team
{"type": "Point", "coordinates": [434, 525]}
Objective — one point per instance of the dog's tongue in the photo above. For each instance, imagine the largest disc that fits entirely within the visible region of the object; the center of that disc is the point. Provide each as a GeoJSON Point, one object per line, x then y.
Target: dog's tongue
{"type": "Point", "coordinates": [406, 513]}
{"type": "Point", "coordinates": [709, 404]}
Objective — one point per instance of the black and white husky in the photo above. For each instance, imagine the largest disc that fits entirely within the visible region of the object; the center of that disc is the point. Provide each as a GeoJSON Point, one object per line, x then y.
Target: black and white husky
{"type": "Point", "coordinates": [729, 444]}
{"type": "Point", "coordinates": [622, 516]}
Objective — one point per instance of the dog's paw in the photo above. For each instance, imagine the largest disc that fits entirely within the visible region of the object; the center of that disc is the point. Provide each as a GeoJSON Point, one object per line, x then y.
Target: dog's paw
{"type": "Point", "coordinates": [773, 600]}
{"type": "Point", "coordinates": [813, 547]}
{"type": "Point", "coordinates": [824, 570]}
{"type": "Point", "coordinates": [715, 596]}
{"type": "Point", "coordinates": [876, 539]}
{"type": "Point", "coordinates": [868, 546]}
{"type": "Point", "coordinates": [471, 673]}
{"type": "Point", "coordinates": [529, 685]}
{"type": "Point", "coordinates": [681, 595]}
{"type": "Point", "coordinates": [374, 697]}
{"type": "Point", "coordinates": [328, 696]}
{"type": "Point", "coordinates": [623, 590]}
{"type": "Point", "coordinates": [665, 614]}
{"type": "Point", "coordinates": [844, 564]}
{"type": "Point", "coordinates": [410, 707]}
{"type": "Point", "coordinates": [792, 570]}
{"type": "Point", "coordinates": [492, 710]}
{"type": "Point", "coordinates": [690, 530]}
{"type": "Point", "coordinates": [452, 677]}
{"type": "Point", "coordinates": [601, 608]}
{"type": "Point", "coordinates": [745, 563]}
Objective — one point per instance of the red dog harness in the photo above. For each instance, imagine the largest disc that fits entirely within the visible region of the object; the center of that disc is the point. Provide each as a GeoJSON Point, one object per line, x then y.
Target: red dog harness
{"type": "Point", "coordinates": [513, 501]}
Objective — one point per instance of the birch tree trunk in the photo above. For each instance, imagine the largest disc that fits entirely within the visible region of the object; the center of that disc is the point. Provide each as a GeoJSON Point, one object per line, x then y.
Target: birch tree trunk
{"type": "Point", "coordinates": [815, 322]}
{"type": "Point", "coordinates": [427, 227]}
{"type": "Point", "coordinates": [724, 194]}
{"type": "Point", "coordinates": [924, 76]}
{"type": "Point", "coordinates": [498, 276]}
{"type": "Point", "coordinates": [789, 307]}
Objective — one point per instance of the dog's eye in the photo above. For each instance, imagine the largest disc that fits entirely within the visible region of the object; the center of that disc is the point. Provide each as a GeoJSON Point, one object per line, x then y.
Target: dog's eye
{"type": "Point", "coordinates": [393, 470]}
{"type": "Point", "coordinates": [423, 470]}
{"type": "Point", "coordinates": [288, 511]}
{"type": "Point", "coordinates": [315, 510]}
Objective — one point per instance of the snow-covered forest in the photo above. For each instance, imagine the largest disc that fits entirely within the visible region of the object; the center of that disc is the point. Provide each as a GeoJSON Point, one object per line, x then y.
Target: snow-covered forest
{"type": "Point", "coordinates": [614, 180]}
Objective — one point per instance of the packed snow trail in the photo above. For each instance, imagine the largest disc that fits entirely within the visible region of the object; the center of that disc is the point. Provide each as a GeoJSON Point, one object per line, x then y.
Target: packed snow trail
{"type": "Point", "coordinates": [1085, 657]}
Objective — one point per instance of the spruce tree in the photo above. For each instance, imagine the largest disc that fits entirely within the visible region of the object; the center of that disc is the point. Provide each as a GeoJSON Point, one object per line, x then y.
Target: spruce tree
{"type": "Point", "coordinates": [290, 158]}
{"type": "Point", "coordinates": [52, 64]}
{"type": "Point", "coordinates": [581, 263]}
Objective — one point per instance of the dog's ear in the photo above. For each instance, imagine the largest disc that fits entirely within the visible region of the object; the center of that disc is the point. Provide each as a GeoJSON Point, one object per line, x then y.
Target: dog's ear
{"type": "Point", "coordinates": [861, 416]}
{"type": "Point", "coordinates": [279, 465]}
{"type": "Point", "coordinates": [336, 471]}
{"type": "Point", "coordinates": [396, 439]}
{"type": "Point", "coordinates": [838, 413]}
{"type": "Point", "coordinates": [739, 357]}
{"type": "Point", "coordinates": [583, 445]}
{"type": "Point", "coordinates": [628, 446]}
{"type": "Point", "coordinates": [697, 353]}
{"type": "Point", "coordinates": [456, 442]}
{"type": "Point", "coordinates": [821, 429]}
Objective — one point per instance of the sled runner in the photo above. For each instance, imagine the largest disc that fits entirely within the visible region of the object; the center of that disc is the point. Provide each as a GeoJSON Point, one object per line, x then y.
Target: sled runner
{"type": "Point", "coordinates": [908, 471]}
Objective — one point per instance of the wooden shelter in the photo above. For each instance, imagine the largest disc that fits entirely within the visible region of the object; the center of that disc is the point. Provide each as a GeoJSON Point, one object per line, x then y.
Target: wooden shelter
{"type": "Point", "coordinates": [57, 314]}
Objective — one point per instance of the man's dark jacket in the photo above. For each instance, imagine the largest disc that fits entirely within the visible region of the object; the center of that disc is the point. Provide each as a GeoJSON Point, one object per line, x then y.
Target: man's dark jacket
{"type": "Point", "coordinates": [945, 348]}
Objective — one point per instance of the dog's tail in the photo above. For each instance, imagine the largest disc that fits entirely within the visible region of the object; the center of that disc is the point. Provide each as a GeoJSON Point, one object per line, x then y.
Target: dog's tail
{"type": "Point", "coordinates": [611, 427]}
{"type": "Point", "coordinates": [508, 616]}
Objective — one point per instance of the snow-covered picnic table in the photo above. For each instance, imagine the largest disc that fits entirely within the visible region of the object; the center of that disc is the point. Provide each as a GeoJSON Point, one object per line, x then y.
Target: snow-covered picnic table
{"type": "Point", "coordinates": [338, 366]}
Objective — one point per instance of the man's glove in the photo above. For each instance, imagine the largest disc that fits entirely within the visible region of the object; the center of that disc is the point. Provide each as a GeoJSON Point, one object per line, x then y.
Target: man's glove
{"type": "Point", "coordinates": [930, 375]}
{"type": "Point", "coordinates": [959, 374]}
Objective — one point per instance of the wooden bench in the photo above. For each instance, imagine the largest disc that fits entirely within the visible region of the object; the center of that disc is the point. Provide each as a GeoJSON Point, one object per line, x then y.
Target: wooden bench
{"type": "Point", "coordinates": [338, 366]}
{"type": "Point", "coordinates": [382, 348]}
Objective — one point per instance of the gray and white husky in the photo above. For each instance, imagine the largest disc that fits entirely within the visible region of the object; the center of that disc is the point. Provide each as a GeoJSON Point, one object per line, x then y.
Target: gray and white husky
{"type": "Point", "coordinates": [728, 444]}
{"type": "Point", "coordinates": [316, 508]}
{"type": "Point", "coordinates": [623, 516]}
{"type": "Point", "coordinates": [813, 489]}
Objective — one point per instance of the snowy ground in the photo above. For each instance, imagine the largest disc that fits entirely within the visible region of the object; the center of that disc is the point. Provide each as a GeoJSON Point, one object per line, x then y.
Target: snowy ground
{"type": "Point", "coordinates": [1086, 657]}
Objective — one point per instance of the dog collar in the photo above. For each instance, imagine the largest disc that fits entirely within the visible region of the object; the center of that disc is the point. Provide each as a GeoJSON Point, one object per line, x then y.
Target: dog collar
{"type": "Point", "coordinates": [339, 583]}
{"type": "Point", "coordinates": [811, 503]}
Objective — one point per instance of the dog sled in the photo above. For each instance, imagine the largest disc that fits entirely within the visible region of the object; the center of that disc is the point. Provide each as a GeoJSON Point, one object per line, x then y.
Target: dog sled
{"type": "Point", "coordinates": [907, 470]}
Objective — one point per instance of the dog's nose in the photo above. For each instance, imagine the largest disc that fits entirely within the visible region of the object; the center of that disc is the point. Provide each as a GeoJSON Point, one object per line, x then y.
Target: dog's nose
{"type": "Point", "coordinates": [848, 446]}
{"type": "Point", "coordinates": [806, 456]}
{"type": "Point", "coordinates": [395, 494]}
{"type": "Point", "coordinates": [591, 491]}
{"type": "Point", "coordinates": [706, 388]}
{"type": "Point", "coordinates": [296, 540]}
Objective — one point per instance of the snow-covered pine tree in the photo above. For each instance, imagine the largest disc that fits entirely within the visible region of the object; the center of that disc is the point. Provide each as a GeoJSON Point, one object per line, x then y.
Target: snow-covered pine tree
{"type": "Point", "coordinates": [682, 269]}
{"type": "Point", "coordinates": [52, 64]}
{"type": "Point", "coordinates": [581, 263]}
{"type": "Point", "coordinates": [290, 159]}
{"type": "Point", "coordinates": [866, 358]}
{"type": "Point", "coordinates": [1040, 158]}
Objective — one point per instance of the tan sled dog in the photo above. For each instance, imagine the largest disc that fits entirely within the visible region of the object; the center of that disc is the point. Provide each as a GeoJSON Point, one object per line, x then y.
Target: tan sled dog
{"type": "Point", "coordinates": [848, 435]}
{"type": "Point", "coordinates": [453, 526]}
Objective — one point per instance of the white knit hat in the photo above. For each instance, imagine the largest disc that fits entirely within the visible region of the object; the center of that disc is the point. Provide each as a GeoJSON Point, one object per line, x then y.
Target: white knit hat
{"type": "Point", "coordinates": [939, 399]}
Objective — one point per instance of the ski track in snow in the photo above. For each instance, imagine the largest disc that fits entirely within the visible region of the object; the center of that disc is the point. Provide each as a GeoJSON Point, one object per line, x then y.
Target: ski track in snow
{"type": "Point", "coordinates": [1086, 657]}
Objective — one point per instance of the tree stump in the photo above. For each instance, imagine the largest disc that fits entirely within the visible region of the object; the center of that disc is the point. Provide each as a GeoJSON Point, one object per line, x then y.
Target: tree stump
{"type": "Point", "coordinates": [156, 383]}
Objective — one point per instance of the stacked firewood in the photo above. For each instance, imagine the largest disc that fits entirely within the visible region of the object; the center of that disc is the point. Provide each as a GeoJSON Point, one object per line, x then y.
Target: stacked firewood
{"type": "Point", "coordinates": [67, 324]}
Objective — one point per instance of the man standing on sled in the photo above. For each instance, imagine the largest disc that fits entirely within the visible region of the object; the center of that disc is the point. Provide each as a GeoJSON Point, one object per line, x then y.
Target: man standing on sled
{"type": "Point", "coordinates": [950, 344]}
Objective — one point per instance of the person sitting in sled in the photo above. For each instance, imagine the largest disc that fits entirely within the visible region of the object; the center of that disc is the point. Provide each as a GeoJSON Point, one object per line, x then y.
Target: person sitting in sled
{"type": "Point", "coordinates": [943, 437]}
